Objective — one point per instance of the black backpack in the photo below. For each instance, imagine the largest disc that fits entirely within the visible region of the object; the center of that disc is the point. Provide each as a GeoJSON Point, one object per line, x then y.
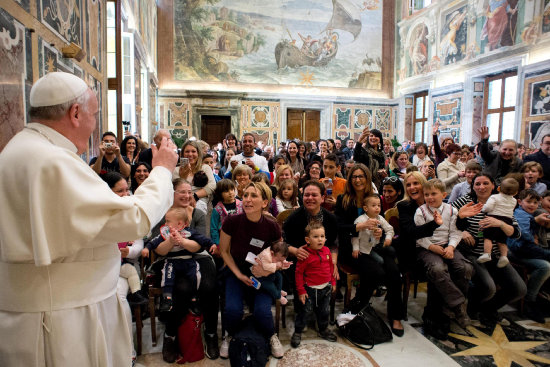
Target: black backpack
{"type": "Point", "coordinates": [249, 347]}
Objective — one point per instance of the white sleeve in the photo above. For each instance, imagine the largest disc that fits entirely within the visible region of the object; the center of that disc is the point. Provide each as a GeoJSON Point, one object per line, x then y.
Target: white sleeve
{"type": "Point", "coordinates": [454, 234]}
{"type": "Point", "coordinates": [419, 220]}
{"type": "Point", "coordinates": [387, 228]}
{"type": "Point", "coordinates": [135, 249]}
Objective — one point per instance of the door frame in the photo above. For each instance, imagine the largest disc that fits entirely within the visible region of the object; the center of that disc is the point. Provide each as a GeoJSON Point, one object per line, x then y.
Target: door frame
{"type": "Point", "coordinates": [325, 130]}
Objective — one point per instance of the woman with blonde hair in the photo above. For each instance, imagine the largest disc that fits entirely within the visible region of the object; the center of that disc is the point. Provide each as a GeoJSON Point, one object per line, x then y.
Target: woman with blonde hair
{"type": "Point", "coordinates": [282, 173]}
{"type": "Point", "coordinates": [192, 152]}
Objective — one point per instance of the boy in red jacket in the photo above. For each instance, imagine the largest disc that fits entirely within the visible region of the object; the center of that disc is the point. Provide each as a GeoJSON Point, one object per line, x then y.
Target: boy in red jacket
{"type": "Point", "coordinates": [314, 283]}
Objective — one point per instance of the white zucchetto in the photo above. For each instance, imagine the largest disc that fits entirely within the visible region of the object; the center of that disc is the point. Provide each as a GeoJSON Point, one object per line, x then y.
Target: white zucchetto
{"type": "Point", "coordinates": [56, 88]}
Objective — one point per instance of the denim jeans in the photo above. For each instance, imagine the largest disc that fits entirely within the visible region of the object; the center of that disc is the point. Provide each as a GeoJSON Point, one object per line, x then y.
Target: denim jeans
{"type": "Point", "coordinates": [272, 285]}
{"type": "Point", "coordinates": [539, 272]}
{"type": "Point", "coordinates": [318, 301]}
{"type": "Point", "coordinates": [235, 293]}
{"type": "Point", "coordinates": [484, 295]}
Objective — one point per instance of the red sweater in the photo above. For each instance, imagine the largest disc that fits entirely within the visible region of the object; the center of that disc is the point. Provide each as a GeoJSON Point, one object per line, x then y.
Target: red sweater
{"type": "Point", "coordinates": [315, 270]}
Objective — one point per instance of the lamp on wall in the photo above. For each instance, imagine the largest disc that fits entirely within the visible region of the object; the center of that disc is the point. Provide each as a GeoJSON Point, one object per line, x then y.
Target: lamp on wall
{"type": "Point", "coordinates": [73, 51]}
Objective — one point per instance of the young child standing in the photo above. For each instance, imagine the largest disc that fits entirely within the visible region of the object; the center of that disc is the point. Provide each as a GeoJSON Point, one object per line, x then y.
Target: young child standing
{"type": "Point", "coordinates": [178, 246]}
{"type": "Point", "coordinates": [366, 241]}
{"type": "Point", "coordinates": [527, 251]}
{"type": "Point", "coordinates": [314, 284]}
{"type": "Point", "coordinates": [500, 206]}
{"type": "Point", "coordinates": [227, 205]}
{"type": "Point", "coordinates": [287, 195]}
{"type": "Point", "coordinates": [445, 267]}
{"type": "Point", "coordinates": [269, 261]}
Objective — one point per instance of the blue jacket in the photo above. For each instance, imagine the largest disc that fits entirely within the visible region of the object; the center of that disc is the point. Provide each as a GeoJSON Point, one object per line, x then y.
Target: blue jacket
{"type": "Point", "coordinates": [528, 228]}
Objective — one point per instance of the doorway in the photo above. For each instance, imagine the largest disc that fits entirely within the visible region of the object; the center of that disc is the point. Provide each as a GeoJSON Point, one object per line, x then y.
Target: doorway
{"type": "Point", "coordinates": [303, 124]}
{"type": "Point", "coordinates": [214, 128]}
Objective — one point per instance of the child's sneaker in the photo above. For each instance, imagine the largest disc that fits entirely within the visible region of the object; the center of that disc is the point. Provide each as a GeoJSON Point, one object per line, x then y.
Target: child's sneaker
{"type": "Point", "coordinates": [276, 347]}
{"type": "Point", "coordinates": [283, 300]}
{"type": "Point", "coordinates": [224, 348]}
{"type": "Point", "coordinates": [165, 304]}
{"type": "Point", "coordinates": [484, 258]}
{"type": "Point", "coordinates": [502, 262]}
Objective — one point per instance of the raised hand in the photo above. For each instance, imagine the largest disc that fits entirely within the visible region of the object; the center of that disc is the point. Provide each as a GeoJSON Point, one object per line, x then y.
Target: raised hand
{"type": "Point", "coordinates": [483, 132]}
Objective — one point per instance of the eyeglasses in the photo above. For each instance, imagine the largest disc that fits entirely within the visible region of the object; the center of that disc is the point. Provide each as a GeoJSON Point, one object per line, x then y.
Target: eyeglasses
{"type": "Point", "coordinates": [389, 179]}
{"type": "Point", "coordinates": [314, 168]}
{"type": "Point", "coordinates": [181, 192]}
{"type": "Point", "coordinates": [358, 177]}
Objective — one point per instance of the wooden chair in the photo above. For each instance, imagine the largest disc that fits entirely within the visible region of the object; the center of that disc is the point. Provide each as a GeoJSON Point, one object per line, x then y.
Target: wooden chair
{"type": "Point", "coordinates": [154, 292]}
{"type": "Point", "coordinates": [352, 278]}
{"type": "Point", "coordinates": [282, 216]}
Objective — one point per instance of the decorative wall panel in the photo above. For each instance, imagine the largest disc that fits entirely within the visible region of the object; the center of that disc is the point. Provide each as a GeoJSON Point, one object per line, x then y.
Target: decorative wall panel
{"type": "Point", "coordinates": [63, 17]}
{"type": "Point", "coordinates": [446, 113]}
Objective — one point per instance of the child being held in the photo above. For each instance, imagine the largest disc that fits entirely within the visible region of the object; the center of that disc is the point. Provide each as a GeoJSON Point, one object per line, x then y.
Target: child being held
{"type": "Point", "coordinates": [178, 246]}
{"type": "Point", "coordinates": [314, 284]}
{"type": "Point", "coordinates": [269, 261]}
{"type": "Point", "coordinates": [367, 239]}
{"type": "Point", "coordinates": [129, 272]}
{"type": "Point", "coordinates": [287, 195]}
{"type": "Point", "coordinates": [446, 268]}
{"type": "Point", "coordinates": [500, 206]}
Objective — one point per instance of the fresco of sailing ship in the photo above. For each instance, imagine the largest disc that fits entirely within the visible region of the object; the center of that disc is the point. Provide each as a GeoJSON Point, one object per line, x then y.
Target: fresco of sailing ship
{"type": "Point", "coordinates": [319, 52]}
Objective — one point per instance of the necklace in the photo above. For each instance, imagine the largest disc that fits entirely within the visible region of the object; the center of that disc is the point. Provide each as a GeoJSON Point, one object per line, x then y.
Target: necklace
{"type": "Point", "coordinates": [41, 133]}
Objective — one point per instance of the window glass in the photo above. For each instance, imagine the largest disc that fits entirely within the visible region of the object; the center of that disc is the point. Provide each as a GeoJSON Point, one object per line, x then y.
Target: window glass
{"type": "Point", "coordinates": [418, 131]}
{"type": "Point", "coordinates": [111, 110]}
{"type": "Point", "coordinates": [508, 125]}
{"type": "Point", "coordinates": [495, 88]}
{"type": "Point", "coordinates": [419, 107]}
{"type": "Point", "coordinates": [510, 91]}
{"type": "Point", "coordinates": [492, 124]}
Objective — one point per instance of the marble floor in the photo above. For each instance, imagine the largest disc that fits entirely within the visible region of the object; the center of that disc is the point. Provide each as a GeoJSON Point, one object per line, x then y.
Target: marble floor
{"type": "Point", "coordinates": [523, 343]}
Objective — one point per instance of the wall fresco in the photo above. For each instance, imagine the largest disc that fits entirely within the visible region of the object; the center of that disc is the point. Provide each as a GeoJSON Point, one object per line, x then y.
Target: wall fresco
{"type": "Point", "coordinates": [326, 43]}
{"type": "Point", "coordinates": [453, 36]}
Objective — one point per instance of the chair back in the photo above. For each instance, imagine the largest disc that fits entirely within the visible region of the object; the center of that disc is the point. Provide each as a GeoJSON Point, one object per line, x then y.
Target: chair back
{"type": "Point", "coordinates": [392, 217]}
{"type": "Point", "coordinates": [281, 218]}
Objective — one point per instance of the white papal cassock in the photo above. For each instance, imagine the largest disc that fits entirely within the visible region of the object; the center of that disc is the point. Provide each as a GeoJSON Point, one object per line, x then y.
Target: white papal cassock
{"type": "Point", "coordinates": [59, 262]}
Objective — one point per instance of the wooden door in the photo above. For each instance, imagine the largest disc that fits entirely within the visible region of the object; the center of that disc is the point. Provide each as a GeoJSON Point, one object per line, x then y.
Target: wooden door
{"type": "Point", "coordinates": [312, 124]}
{"type": "Point", "coordinates": [303, 124]}
{"type": "Point", "coordinates": [214, 128]}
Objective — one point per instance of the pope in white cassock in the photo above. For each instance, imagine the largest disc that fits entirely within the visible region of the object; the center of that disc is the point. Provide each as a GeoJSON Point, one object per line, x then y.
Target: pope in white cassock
{"type": "Point", "coordinates": [59, 228]}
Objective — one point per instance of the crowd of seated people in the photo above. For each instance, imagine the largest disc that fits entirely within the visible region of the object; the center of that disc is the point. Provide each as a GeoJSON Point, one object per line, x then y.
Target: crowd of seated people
{"type": "Point", "coordinates": [361, 205]}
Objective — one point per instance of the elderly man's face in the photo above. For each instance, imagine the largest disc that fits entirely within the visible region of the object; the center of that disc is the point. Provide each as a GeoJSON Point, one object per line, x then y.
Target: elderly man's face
{"type": "Point", "coordinates": [338, 144]}
{"type": "Point", "coordinates": [88, 116]}
{"type": "Point", "coordinates": [508, 150]}
{"type": "Point", "coordinates": [160, 135]}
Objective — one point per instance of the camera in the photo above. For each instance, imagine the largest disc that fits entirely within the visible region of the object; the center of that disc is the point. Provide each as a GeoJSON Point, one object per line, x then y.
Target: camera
{"type": "Point", "coordinates": [243, 162]}
{"type": "Point", "coordinates": [108, 145]}
{"type": "Point", "coordinates": [184, 161]}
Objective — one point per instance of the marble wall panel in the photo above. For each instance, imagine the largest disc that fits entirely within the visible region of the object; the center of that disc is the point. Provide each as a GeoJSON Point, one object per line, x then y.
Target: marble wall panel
{"type": "Point", "coordinates": [446, 113]}
{"type": "Point", "coordinates": [96, 86]}
{"type": "Point", "coordinates": [15, 76]}
{"type": "Point", "coordinates": [94, 33]}
{"type": "Point", "coordinates": [63, 17]}
{"type": "Point", "coordinates": [350, 120]}
{"type": "Point", "coordinates": [262, 119]}
{"type": "Point", "coordinates": [536, 108]}
{"type": "Point", "coordinates": [51, 59]}
{"type": "Point", "coordinates": [25, 4]}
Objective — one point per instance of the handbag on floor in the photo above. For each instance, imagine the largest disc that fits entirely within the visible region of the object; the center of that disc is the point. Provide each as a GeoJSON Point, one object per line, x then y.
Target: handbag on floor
{"type": "Point", "coordinates": [190, 339]}
{"type": "Point", "coordinates": [366, 329]}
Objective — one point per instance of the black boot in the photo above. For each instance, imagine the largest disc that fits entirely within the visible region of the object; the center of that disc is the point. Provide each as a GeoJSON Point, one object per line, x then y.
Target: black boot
{"type": "Point", "coordinates": [137, 298]}
{"type": "Point", "coordinates": [212, 349]}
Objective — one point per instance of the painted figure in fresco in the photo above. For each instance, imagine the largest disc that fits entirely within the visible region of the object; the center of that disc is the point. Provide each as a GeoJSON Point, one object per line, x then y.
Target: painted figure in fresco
{"type": "Point", "coordinates": [418, 51]}
{"type": "Point", "coordinates": [497, 22]}
{"type": "Point", "coordinates": [370, 5]}
{"type": "Point", "coordinates": [308, 44]}
{"type": "Point", "coordinates": [448, 45]}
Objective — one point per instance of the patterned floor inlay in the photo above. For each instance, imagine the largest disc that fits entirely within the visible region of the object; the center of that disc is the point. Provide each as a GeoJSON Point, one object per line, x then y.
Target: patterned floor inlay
{"type": "Point", "coordinates": [321, 353]}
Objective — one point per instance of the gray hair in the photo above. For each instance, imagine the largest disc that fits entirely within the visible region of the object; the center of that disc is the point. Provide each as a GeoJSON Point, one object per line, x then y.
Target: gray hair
{"type": "Point", "coordinates": [56, 112]}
